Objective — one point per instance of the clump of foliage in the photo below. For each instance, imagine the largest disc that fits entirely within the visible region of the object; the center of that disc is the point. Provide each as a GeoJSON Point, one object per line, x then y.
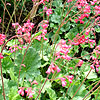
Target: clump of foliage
{"type": "Point", "coordinates": [50, 50]}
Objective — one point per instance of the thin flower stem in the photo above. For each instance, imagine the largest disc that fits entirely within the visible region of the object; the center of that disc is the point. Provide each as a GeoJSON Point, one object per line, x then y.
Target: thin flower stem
{"type": "Point", "coordinates": [97, 94]}
{"type": "Point", "coordinates": [81, 83]}
{"type": "Point", "coordinates": [2, 80]}
{"type": "Point", "coordinates": [67, 90]}
{"type": "Point", "coordinates": [91, 90]}
{"type": "Point", "coordinates": [8, 41]}
{"type": "Point", "coordinates": [15, 10]}
{"type": "Point", "coordinates": [3, 19]}
{"type": "Point", "coordinates": [42, 87]}
{"type": "Point", "coordinates": [11, 17]}
{"type": "Point", "coordinates": [91, 85]}
{"type": "Point", "coordinates": [22, 62]}
{"type": "Point", "coordinates": [21, 11]}
{"type": "Point", "coordinates": [1, 64]}
{"type": "Point", "coordinates": [92, 93]}
{"type": "Point", "coordinates": [6, 8]}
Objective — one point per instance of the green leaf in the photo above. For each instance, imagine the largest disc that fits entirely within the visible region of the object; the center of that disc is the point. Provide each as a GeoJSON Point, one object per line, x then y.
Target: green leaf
{"type": "Point", "coordinates": [13, 77]}
{"type": "Point", "coordinates": [76, 48]}
{"type": "Point", "coordinates": [7, 63]}
{"type": "Point", "coordinates": [55, 18]}
{"type": "Point", "coordinates": [31, 61]}
{"type": "Point", "coordinates": [52, 94]}
{"type": "Point", "coordinates": [97, 30]}
{"type": "Point", "coordinates": [65, 27]}
{"type": "Point", "coordinates": [81, 92]}
{"type": "Point", "coordinates": [85, 53]}
{"type": "Point", "coordinates": [5, 88]}
{"type": "Point", "coordinates": [91, 75]}
{"type": "Point", "coordinates": [51, 24]}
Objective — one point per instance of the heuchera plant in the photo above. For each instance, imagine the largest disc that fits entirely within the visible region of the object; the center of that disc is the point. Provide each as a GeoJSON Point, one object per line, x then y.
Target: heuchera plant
{"type": "Point", "coordinates": [43, 60]}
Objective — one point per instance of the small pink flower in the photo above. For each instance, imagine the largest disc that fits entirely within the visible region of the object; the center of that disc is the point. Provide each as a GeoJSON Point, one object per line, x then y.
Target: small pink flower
{"type": "Point", "coordinates": [45, 26]}
{"type": "Point", "coordinates": [92, 3]}
{"type": "Point", "coordinates": [21, 41]}
{"type": "Point", "coordinates": [81, 22]}
{"type": "Point", "coordinates": [34, 82]}
{"type": "Point", "coordinates": [76, 20]}
{"type": "Point", "coordinates": [24, 46]}
{"type": "Point", "coordinates": [71, 67]}
{"type": "Point", "coordinates": [45, 8]}
{"type": "Point", "coordinates": [2, 38]}
{"type": "Point", "coordinates": [0, 20]}
{"type": "Point", "coordinates": [92, 67]}
{"type": "Point", "coordinates": [48, 71]}
{"type": "Point", "coordinates": [80, 63]}
{"type": "Point", "coordinates": [1, 56]}
{"type": "Point", "coordinates": [9, 4]}
{"type": "Point", "coordinates": [21, 91]}
{"type": "Point", "coordinates": [70, 81]}
{"type": "Point", "coordinates": [97, 66]}
{"type": "Point", "coordinates": [63, 81]}
{"type": "Point", "coordinates": [69, 1]}
{"type": "Point", "coordinates": [87, 32]}
{"type": "Point", "coordinates": [30, 95]}
{"type": "Point", "coordinates": [69, 78]}
{"type": "Point", "coordinates": [48, 12]}
{"type": "Point", "coordinates": [23, 65]}
{"type": "Point", "coordinates": [97, 69]}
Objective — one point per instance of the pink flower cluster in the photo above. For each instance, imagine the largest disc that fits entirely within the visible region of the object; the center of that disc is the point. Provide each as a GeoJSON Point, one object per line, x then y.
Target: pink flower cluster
{"type": "Point", "coordinates": [96, 62]}
{"type": "Point", "coordinates": [82, 4]}
{"type": "Point", "coordinates": [53, 67]}
{"type": "Point", "coordinates": [34, 82]}
{"type": "Point", "coordinates": [63, 80]}
{"type": "Point", "coordinates": [81, 40]}
{"type": "Point", "coordinates": [70, 78]}
{"type": "Point", "coordinates": [63, 50]}
{"type": "Point", "coordinates": [78, 40]}
{"type": "Point", "coordinates": [81, 17]}
{"type": "Point", "coordinates": [93, 2]}
{"type": "Point", "coordinates": [91, 42]}
{"type": "Point", "coordinates": [2, 38]}
{"type": "Point", "coordinates": [48, 11]}
{"type": "Point", "coordinates": [21, 90]}
{"type": "Point", "coordinates": [14, 48]}
{"type": "Point", "coordinates": [97, 9]}
{"type": "Point", "coordinates": [29, 91]}
{"type": "Point", "coordinates": [24, 30]}
{"type": "Point", "coordinates": [44, 25]}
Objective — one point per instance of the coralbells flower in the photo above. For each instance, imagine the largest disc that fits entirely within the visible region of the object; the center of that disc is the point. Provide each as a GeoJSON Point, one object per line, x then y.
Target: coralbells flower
{"type": "Point", "coordinates": [1, 56]}
{"type": "Point", "coordinates": [63, 81]}
{"type": "Point", "coordinates": [53, 67]}
{"type": "Point", "coordinates": [2, 38]}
